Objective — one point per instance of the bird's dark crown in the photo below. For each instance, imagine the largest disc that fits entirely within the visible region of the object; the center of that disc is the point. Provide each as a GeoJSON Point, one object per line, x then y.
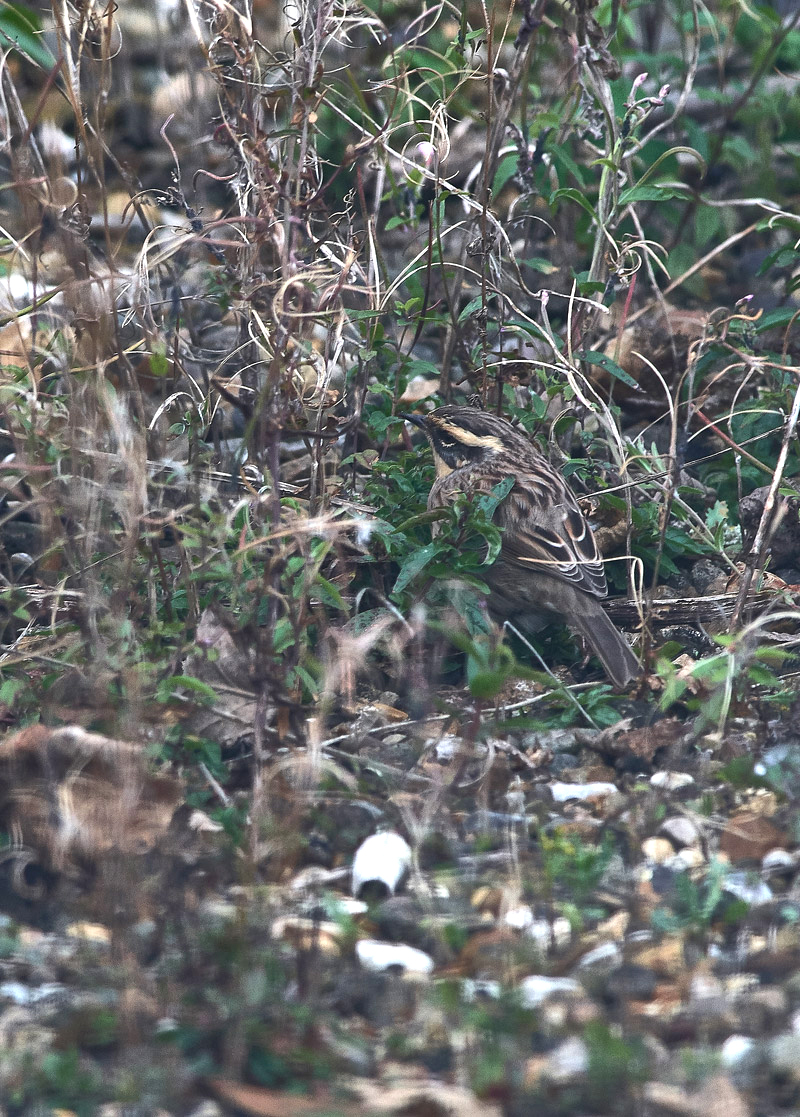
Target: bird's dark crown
{"type": "Point", "coordinates": [463, 436]}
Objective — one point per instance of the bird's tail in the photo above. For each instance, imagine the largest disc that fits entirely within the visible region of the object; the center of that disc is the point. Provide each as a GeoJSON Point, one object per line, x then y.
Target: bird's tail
{"type": "Point", "coordinates": [607, 644]}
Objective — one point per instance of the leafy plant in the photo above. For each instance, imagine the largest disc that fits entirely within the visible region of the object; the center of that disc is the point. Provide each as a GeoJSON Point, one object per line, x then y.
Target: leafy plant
{"type": "Point", "coordinates": [696, 903]}
{"type": "Point", "coordinates": [573, 869]}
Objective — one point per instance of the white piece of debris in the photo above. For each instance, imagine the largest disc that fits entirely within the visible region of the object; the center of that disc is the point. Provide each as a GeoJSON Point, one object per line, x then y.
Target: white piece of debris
{"type": "Point", "coordinates": [535, 990]}
{"type": "Point", "coordinates": [562, 792]}
{"type": "Point", "coordinates": [550, 935]}
{"type": "Point", "coordinates": [381, 956]}
{"type": "Point", "coordinates": [570, 1060]}
{"type": "Point", "coordinates": [200, 822]}
{"type": "Point", "coordinates": [380, 864]}
{"type": "Point", "coordinates": [602, 959]}
{"type": "Point", "coordinates": [519, 919]}
{"type": "Point", "coordinates": [735, 1050]}
{"type": "Point", "coordinates": [671, 781]}
{"type": "Point", "coordinates": [21, 994]}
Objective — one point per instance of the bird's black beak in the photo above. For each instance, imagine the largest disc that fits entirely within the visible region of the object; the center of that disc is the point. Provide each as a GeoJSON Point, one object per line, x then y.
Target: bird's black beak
{"type": "Point", "coordinates": [418, 420]}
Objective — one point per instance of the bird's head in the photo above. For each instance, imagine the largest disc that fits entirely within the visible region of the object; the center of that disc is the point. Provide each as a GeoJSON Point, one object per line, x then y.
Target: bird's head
{"type": "Point", "coordinates": [465, 436]}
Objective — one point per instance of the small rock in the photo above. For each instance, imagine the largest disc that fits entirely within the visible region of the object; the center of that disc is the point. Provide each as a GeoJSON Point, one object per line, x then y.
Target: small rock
{"type": "Point", "coordinates": [783, 1053]}
{"type": "Point", "coordinates": [380, 865]}
{"type": "Point", "coordinates": [602, 960]}
{"type": "Point", "coordinates": [421, 1097]}
{"type": "Point", "coordinates": [20, 994]}
{"type": "Point", "coordinates": [550, 935]}
{"type": "Point", "coordinates": [557, 740]}
{"type": "Point", "coordinates": [448, 747]}
{"type": "Point", "coordinates": [664, 956]}
{"type": "Point", "coordinates": [705, 988]}
{"type": "Point", "coordinates": [536, 989]}
{"type": "Point", "coordinates": [563, 792]}
{"type": "Point", "coordinates": [763, 1009]}
{"type": "Point", "coordinates": [671, 781]}
{"type": "Point", "coordinates": [403, 919]}
{"type": "Point", "coordinates": [717, 1097]}
{"type": "Point", "coordinates": [658, 850]}
{"type": "Point", "coordinates": [569, 1061]}
{"type": "Point", "coordinates": [90, 932]}
{"type": "Point", "coordinates": [736, 1050]}
{"type": "Point", "coordinates": [704, 572]}
{"type": "Point", "coordinates": [419, 388]}
{"type": "Point", "coordinates": [681, 831]}
{"type": "Point", "coordinates": [207, 1109]}
{"type": "Point", "coordinates": [743, 887]}
{"type": "Point", "coordinates": [778, 862]}
{"type": "Point", "coordinates": [200, 822]}
{"type": "Point", "coordinates": [520, 919]}
{"type": "Point", "coordinates": [686, 859]}
{"type": "Point", "coordinates": [380, 956]}
{"type": "Point", "coordinates": [216, 912]}
{"type": "Point", "coordinates": [632, 982]}
{"type": "Point", "coordinates": [313, 878]}
{"type": "Point", "coordinates": [487, 900]}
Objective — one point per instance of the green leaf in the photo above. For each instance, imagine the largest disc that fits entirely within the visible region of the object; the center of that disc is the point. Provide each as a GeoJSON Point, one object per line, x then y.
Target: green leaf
{"type": "Point", "coordinates": [651, 170]}
{"type": "Point", "coordinates": [487, 684]}
{"type": "Point", "coordinates": [159, 365]}
{"type": "Point", "coordinates": [379, 423]}
{"type": "Point", "coordinates": [488, 502]}
{"type": "Point", "coordinates": [738, 152]}
{"type": "Point", "coordinates": [414, 565]}
{"type": "Point", "coordinates": [369, 617]}
{"type": "Point", "coordinates": [308, 681]}
{"type": "Point", "coordinates": [718, 515]}
{"type": "Point", "coordinates": [707, 224]}
{"type": "Point", "coordinates": [362, 315]}
{"type": "Point", "coordinates": [540, 264]}
{"type": "Point", "coordinates": [654, 193]}
{"type": "Point", "coordinates": [10, 689]}
{"type": "Point", "coordinates": [283, 635]}
{"type": "Point", "coordinates": [198, 689]}
{"type": "Point", "coordinates": [20, 28]}
{"type": "Point", "coordinates": [506, 170]}
{"type": "Point", "coordinates": [563, 160]}
{"type": "Point", "coordinates": [423, 368]}
{"type": "Point", "coordinates": [783, 257]}
{"type": "Point", "coordinates": [611, 367]}
{"type": "Point", "coordinates": [470, 308]}
{"type": "Point", "coordinates": [329, 594]}
{"type": "Point", "coordinates": [573, 196]}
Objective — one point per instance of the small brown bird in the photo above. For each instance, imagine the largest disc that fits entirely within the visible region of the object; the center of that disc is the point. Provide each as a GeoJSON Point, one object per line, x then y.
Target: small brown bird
{"type": "Point", "coordinates": [549, 566]}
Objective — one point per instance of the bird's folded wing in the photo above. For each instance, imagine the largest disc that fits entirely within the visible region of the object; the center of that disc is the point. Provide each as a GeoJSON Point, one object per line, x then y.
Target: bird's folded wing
{"type": "Point", "coordinates": [564, 546]}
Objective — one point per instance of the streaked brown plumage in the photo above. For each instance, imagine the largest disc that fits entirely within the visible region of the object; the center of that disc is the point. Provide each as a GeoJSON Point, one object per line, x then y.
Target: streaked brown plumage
{"type": "Point", "coordinates": [549, 566]}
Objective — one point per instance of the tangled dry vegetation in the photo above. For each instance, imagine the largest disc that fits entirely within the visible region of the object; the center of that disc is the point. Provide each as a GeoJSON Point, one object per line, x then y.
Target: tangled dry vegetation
{"type": "Point", "coordinates": [288, 825]}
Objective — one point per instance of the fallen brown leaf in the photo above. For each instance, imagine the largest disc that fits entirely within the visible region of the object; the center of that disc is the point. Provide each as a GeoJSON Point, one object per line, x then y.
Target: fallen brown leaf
{"type": "Point", "coordinates": [748, 836]}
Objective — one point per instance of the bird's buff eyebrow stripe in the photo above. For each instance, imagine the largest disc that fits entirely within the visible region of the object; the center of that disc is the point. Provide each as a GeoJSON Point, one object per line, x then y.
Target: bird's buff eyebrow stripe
{"type": "Point", "coordinates": [488, 441]}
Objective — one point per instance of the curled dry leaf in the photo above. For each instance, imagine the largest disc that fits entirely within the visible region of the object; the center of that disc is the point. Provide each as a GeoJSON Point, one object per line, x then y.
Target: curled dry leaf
{"type": "Point", "coordinates": [621, 740]}
{"type": "Point", "coordinates": [419, 388]}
